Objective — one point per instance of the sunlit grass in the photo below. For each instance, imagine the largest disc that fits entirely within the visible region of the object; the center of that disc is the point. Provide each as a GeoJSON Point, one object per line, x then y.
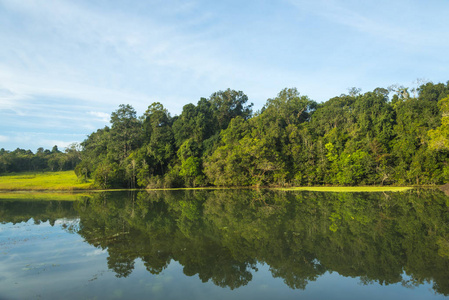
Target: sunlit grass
{"type": "Point", "coordinates": [55, 181]}
{"type": "Point", "coordinates": [349, 189]}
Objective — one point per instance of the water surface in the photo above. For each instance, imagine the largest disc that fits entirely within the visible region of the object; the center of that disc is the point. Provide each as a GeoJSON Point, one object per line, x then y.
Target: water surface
{"type": "Point", "coordinates": [240, 244]}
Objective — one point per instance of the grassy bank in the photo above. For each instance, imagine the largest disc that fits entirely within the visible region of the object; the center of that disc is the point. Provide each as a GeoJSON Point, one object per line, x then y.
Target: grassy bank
{"type": "Point", "coordinates": [54, 181]}
{"type": "Point", "coordinates": [349, 189]}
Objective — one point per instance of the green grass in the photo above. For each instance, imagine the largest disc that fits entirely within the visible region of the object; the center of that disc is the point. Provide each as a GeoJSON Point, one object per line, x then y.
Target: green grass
{"type": "Point", "coordinates": [54, 181]}
{"type": "Point", "coordinates": [349, 189]}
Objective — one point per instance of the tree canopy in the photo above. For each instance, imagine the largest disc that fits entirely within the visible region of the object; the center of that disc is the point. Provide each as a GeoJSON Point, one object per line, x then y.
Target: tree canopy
{"type": "Point", "coordinates": [354, 139]}
{"type": "Point", "coordinates": [385, 136]}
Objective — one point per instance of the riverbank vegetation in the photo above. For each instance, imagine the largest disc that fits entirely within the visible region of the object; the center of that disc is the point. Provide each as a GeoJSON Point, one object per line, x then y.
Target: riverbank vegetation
{"type": "Point", "coordinates": [394, 136]}
{"type": "Point", "coordinates": [383, 137]}
{"type": "Point", "coordinates": [21, 160]}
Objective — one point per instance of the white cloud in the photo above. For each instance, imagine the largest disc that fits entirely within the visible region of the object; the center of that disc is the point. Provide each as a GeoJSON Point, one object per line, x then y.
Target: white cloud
{"type": "Point", "coordinates": [34, 140]}
{"type": "Point", "coordinates": [396, 24]}
{"type": "Point", "coordinates": [4, 138]}
{"type": "Point", "coordinates": [61, 144]}
{"type": "Point", "coordinates": [27, 85]}
{"type": "Point", "coordinates": [101, 116]}
{"type": "Point", "coordinates": [10, 101]}
{"type": "Point", "coordinates": [135, 60]}
{"type": "Point", "coordinates": [123, 59]}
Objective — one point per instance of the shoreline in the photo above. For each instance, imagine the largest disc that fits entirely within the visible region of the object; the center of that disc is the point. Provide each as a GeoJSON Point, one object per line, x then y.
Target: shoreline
{"type": "Point", "coordinates": [66, 182]}
{"type": "Point", "coordinates": [284, 189]}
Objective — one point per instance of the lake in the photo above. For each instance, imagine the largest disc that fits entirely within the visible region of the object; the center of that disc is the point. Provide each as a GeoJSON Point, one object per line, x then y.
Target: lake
{"type": "Point", "coordinates": [226, 244]}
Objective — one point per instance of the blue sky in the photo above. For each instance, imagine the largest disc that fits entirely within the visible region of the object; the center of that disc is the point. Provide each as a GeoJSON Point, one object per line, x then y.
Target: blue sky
{"type": "Point", "coordinates": [66, 65]}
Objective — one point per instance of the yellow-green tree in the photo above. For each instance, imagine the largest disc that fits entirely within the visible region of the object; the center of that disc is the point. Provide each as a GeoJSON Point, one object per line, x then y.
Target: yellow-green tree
{"type": "Point", "coordinates": [439, 137]}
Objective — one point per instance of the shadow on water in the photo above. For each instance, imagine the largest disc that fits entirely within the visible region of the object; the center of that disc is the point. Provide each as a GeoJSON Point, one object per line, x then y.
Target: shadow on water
{"type": "Point", "coordinates": [221, 235]}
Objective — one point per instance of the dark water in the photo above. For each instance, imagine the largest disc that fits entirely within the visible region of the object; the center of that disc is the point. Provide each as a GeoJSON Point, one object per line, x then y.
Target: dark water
{"type": "Point", "coordinates": [234, 244]}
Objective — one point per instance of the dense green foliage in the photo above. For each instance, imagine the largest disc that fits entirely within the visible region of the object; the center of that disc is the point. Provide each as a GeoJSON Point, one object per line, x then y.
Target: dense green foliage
{"type": "Point", "coordinates": [157, 150]}
{"type": "Point", "coordinates": [21, 160]}
{"type": "Point", "coordinates": [222, 235]}
{"type": "Point", "coordinates": [355, 139]}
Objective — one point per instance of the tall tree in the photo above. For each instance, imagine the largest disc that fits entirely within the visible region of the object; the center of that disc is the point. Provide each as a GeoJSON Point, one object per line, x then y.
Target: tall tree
{"type": "Point", "coordinates": [126, 132]}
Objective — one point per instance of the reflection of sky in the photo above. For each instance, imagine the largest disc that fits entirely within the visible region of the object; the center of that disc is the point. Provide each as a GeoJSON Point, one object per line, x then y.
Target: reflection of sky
{"type": "Point", "coordinates": [50, 263]}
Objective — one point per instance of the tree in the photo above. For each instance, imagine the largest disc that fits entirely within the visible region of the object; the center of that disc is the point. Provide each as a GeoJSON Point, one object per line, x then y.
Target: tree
{"type": "Point", "coordinates": [190, 170]}
{"type": "Point", "coordinates": [55, 149]}
{"type": "Point", "coordinates": [229, 104]}
{"type": "Point", "coordinates": [159, 140]}
{"type": "Point", "coordinates": [126, 132]}
{"type": "Point", "coordinates": [439, 137]}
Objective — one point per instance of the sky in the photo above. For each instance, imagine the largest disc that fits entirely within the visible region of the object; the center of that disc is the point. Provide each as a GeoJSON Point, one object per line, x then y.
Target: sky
{"type": "Point", "coordinates": [66, 65]}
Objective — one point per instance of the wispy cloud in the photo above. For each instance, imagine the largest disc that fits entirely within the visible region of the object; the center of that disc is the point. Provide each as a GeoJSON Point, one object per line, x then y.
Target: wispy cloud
{"type": "Point", "coordinates": [104, 117]}
{"type": "Point", "coordinates": [3, 138]}
{"type": "Point", "coordinates": [395, 24]}
{"type": "Point", "coordinates": [34, 140]}
{"type": "Point", "coordinates": [109, 58]}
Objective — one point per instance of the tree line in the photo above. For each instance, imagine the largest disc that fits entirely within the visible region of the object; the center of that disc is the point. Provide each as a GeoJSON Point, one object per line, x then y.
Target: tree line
{"type": "Point", "coordinates": [353, 139]}
{"type": "Point", "coordinates": [394, 136]}
{"type": "Point", "coordinates": [21, 160]}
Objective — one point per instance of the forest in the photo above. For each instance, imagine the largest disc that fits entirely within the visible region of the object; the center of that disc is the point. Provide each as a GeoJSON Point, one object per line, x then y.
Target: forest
{"type": "Point", "coordinates": [21, 160]}
{"type": "Point", "coordinates": [394, 136]}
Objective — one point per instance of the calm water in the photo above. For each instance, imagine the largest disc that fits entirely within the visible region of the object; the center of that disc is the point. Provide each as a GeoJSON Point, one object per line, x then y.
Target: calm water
{"type": "Point", "coordinates": [227, 245]}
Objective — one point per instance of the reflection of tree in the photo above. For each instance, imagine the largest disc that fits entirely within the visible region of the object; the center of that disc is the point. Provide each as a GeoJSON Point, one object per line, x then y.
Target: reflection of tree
{"type": "Point", "coordinates": [121, 263]}
{"type": "Point", "coordinates": [299, 272]}
{"type": "Point", "coordinates": [221, 235]}
{"type": "Point", "coordinates": [40, 211]}
{"type": "Point", "coordinates": [212, 262]}
{"type": "Point", "coordinates": [158, 228]}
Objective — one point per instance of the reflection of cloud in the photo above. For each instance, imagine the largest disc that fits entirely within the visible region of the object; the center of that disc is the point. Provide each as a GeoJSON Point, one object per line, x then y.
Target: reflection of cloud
{"type": "Point", "coordinates": [95, 252]}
